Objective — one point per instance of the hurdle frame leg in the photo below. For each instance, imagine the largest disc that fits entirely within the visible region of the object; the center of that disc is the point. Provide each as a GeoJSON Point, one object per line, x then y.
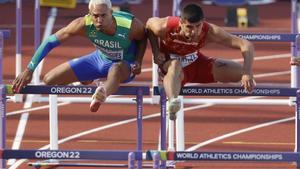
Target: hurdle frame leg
{"type": "Point", "coordinates": [131, 160]}
{"type": "Point", "coordinates": [297, 129]}
{"type": "Point", "coordinates": [180, 137]}
{"type": "Point", "coordinates": [3, 123]}
{"type": "Point", "coordinates": [163, 110]}
{"type": "Point", "coordinates": [139, 120]}
{"type": "Point", "coordinates": [2, 103]}
{"type": "Point", "coordinates": [156, 158]}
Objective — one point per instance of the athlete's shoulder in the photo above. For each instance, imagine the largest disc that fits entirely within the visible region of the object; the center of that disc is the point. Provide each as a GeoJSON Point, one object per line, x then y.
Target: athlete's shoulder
{"type": "Point", "coordinates": [76, 24]}
{"type": "Point", "coordinates": [157, 25]}
{"type": "Point", "coordinates": [137, 30]}
{"type": "Point", "coordinates": [123, 14]}
{"type": "Point", "coordinates": [173, 21]}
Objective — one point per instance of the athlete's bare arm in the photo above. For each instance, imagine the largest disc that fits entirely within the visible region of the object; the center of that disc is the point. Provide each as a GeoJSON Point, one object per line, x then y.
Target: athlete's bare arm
{"type": "Point", "coordinates": [156, 29]}
{"type": "Point", "coordinates": [76, 27]}
{"type": "Point", "coordinates": [220, 36]}
{"type": "Point", "coordinates": [138, 34]}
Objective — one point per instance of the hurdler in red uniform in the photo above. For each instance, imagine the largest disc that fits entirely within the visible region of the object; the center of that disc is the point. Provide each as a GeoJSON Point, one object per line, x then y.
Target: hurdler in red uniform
{"type": "Point", "coordinates": [176, 44]}
{"type": "Point", "coordinates": [197, 68]}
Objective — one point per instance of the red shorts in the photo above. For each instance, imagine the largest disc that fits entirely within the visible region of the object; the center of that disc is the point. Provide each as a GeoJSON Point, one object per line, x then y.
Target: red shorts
{"type": "Point", "coordinates": [200, 71]}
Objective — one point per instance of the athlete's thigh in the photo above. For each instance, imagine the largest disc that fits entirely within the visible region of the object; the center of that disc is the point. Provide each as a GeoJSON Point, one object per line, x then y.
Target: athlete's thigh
{"type": "Point", "coordinates": [60, 75]}
{"type": "Point", "coordinates": [227, 70]}
{"type": "Point", "coordinates": [90, 67]}
{"type": "Point", "coordinates": [123, 70]}
{"type": "Point", "coordinates": [200, 71]}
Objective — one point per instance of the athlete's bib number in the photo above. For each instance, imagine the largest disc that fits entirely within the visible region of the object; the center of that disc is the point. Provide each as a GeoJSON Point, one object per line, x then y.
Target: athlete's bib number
{"type": "Point", "coordinates": [113, 55]}
{"type": "Point", "coordinates": [186, 59]}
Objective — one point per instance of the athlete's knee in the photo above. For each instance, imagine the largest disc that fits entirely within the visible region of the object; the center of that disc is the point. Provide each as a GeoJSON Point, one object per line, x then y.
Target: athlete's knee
{"type": "Point", "coordinates": [175, 64]}
{"type": "Point", "coordinates": [48, 79]}
{"type": "Point", "coordinates": [119, 68]}
{"type": "Point", "coordinates": [228, 73]}
{"type": "Point", "coordinates": [116, 68]}
{"type": "Point", "coordinates": [174, 69]}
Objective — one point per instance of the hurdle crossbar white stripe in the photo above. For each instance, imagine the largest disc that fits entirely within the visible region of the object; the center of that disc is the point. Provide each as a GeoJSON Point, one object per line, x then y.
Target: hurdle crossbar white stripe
{"type": "Point", "coordinates": [127, 100]}
{"type": "Point", "coordinates": [77, 164]}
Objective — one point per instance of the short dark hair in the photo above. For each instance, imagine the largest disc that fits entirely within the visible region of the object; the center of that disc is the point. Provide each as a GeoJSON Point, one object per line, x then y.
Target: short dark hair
{"type": "Point", "coordinates": [192, 13]}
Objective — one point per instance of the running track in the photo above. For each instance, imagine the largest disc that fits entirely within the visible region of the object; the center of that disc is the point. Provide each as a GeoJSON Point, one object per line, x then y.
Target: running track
{"type": "Point", "coordinates": [205, 124]}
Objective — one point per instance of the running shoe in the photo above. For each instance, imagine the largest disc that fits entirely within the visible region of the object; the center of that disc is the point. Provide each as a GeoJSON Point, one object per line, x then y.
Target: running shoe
{"type": "Point", "coordinates": [174, 105]}
{"type": "Point", "coordinates": [98, 98]}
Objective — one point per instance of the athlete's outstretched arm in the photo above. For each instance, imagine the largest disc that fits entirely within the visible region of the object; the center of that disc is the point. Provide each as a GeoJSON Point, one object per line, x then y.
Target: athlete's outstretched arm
{"type": "Point", "coordinates": [138, 34]}
{"type": "Point", "coordinates": [156, 28]}
{"type": "Point", "coordinates": [218, 35]}
{"type": "Point", "coordinates": [76, 27]}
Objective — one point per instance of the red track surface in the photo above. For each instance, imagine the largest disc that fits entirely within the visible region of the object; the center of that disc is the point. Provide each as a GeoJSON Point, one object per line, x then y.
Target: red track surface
{"type": "Point", "coordinates": [200, 124]}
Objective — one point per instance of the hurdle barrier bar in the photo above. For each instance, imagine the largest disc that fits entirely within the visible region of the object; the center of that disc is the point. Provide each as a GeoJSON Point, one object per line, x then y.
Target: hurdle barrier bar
{"type": "Point", "coordinates": [139, 91]}
{"type": "Point", "coordinates": [228, 156]}
{"type": "Point", "coordinates": [234, 91]}
{"type": "Point", "coordinates": [131, 156]}
{"type": "Point", "coordinates": [293, 38]}
{"type": "Point", "coordinates": [269, 37]}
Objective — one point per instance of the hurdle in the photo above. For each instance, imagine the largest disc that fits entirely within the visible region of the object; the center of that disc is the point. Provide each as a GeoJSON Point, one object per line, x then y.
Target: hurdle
{"type": "Point", "coordinates": [139, 91]}
{"type": "Point", "coordinates": [231, 156]}
{"type": "Point", "coordinates": [292, 37]}
{"type": "Point", "coordinates": [259, 37]}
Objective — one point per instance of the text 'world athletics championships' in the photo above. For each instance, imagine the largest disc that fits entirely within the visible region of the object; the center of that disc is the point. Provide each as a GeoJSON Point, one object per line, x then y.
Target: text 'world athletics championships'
{"type": "Point", "coordinates": [227, 156]}
{"type": "Point", "coordinates": [228, 91]}
{"type": "Point", "coordinates": [260, 37]}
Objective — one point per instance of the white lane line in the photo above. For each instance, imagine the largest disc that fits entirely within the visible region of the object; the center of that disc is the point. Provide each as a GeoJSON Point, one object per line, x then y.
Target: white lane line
{"type": "Point", "coordinates": [268, 57]}
{"type": "Point", "coordinates": [193, 148]}
{"type": "Point", "coordinates": [272, 74]}
{"type": "Point", "coordinates": [257, 143]}
{"type": "Point", "coordinates": [33, 109]}
{"type": "Point", "coordinates": [21, 128]}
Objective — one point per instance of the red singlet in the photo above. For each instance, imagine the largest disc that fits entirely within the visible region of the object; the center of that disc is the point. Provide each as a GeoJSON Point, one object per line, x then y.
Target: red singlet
{"type": "Point", "coordinates": [197, 68]}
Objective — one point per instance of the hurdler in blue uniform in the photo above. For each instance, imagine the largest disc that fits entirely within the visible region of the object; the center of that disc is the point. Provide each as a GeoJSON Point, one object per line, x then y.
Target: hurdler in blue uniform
{"type": "Point", "coordinates": [120, 43]}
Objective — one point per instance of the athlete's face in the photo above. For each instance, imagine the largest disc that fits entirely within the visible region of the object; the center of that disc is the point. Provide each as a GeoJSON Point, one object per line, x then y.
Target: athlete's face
{"type": "Point", "coordinates": [101, 16]}
{"type": "Point", "coordinates": [190, 30]}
